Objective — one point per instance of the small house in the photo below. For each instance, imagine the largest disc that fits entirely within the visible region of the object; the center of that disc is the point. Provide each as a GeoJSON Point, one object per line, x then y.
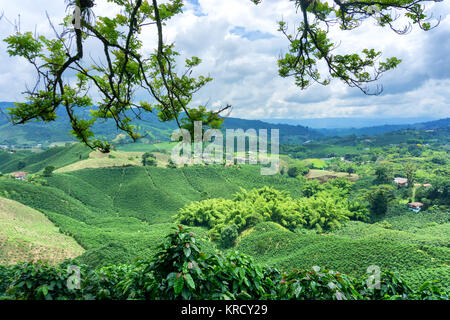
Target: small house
{"type": "Point", "coordinates": [415, 206]}
{"type": "Point", "coordinates": [401, 182]}
{"type": "Point", "coordinates": [19, 175]}
{"type": "Point", "coordinates": [427, 185]}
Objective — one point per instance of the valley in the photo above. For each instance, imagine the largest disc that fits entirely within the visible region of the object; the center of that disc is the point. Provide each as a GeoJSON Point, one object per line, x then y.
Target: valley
{"type": "Point", "coordinates": [114, 210]}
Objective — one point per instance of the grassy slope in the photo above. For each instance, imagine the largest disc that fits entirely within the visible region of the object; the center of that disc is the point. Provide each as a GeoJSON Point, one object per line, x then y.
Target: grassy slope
{"type": "Point", "coordinates": [98, 160]}
{"type": "Point", "coordinates": [142, 147]}
{"type": "Point", "coordinates": [27, 234]}
{"type": "Point", "coordinates": [418, 254]}
{"type": "Point", "coordinates": [57, 157]}
{"type": "Point", "coordinates": [118, 214]}
{"type": "Point", "coordinates": [131, 208]}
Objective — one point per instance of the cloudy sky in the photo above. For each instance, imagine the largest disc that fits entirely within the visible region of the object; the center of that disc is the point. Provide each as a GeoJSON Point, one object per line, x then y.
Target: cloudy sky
{"type": "Point", "coordinates": [239, 45]}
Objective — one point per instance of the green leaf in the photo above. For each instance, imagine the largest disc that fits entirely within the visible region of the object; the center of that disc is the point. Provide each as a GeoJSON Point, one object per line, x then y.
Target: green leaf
{"type": "Point", "coordinates": [179, 284]}
{"type": "Point", "coordinates": [190, 281]}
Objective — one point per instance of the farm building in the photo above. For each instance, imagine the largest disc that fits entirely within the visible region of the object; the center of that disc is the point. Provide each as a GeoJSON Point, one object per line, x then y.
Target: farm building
{"type": "Point", "coordinates": [415, 206]}
{"type": "Point", "coordinates": [19, 175]}
{"type": "Point", "coordinates": [401, 181]}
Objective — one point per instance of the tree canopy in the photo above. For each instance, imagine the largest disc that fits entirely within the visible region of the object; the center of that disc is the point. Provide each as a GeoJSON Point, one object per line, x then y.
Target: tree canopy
{"type": "Point", "coordinates": [125, 69]}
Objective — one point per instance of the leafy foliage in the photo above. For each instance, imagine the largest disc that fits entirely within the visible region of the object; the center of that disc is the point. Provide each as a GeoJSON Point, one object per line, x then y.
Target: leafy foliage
{"type": "Point", "coordinates": [326, 210]}
{"type": "Point", "coordinates": [181, 270]}
{"type": "Point", "coordinates": [379, 198]}
{"type": "Point", "coordinates": [126, 70]}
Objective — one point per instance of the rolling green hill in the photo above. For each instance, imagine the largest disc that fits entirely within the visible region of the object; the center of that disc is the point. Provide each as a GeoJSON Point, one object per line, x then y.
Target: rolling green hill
{"type": "Point", "coordinates": [416, 256]}
{"type": "Point", "coordinates": [37, 161]}
{"type": "Point", "coordinates": [149, 125]}
{"type": "Point", "coordinates": [118, 214]}
{"type": "Point", "coordinates": [28, 235]}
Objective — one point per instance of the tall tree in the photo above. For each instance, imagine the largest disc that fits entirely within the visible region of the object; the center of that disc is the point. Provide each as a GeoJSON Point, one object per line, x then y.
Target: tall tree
{"type": "Point", "coordinates": [384, 174]}
{"type": "Point", "coordinates": [48, 171]}
{"type": "Point", "coordinates": [149, 159]}
{"type": "Point", "coordinates": [311, 44]}
{"type": "Point", "coordinates": [379, 198]}
{"type": "Point", "coordinates": [410, 172]}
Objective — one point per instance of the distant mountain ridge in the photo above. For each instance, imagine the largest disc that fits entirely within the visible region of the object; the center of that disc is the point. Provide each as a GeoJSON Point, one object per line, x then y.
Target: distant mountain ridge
{"type": "Point", "coordinates": [377, 130]}
{"type": "Point", "coordinates": [57, 131]}
{"type": "Point", "coordinates": [345, 123]}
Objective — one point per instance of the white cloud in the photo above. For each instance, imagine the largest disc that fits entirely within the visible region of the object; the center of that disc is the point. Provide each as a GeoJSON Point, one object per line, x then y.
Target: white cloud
{"type": "Point", "coordinates": [245, 71]}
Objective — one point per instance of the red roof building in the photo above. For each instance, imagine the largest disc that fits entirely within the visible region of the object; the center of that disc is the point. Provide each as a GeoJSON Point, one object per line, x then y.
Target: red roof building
{"type": "Point", "coordinates": [415, 206]}
{"type": "Point", "coordinates": [19, 175]}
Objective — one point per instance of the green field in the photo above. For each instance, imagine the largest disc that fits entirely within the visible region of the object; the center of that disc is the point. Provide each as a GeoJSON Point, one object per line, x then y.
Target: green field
{"type": "Point", "coordinates": [417, 256]}
{"type": "Point", "coordinates": [131, 209]}
{"type": "Point", "coordinates": [118, 211]}
{"type": "Point", "coordinates": [28, 235]}
{"type": "Point", "coordinates": [37, 161]}
{"type": "Point", "coordinates": [143, 147]}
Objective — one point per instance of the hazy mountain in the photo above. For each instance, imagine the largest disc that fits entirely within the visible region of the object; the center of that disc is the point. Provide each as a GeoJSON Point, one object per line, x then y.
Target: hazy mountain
{"type": "Point", "coordinates": [57, 131]}
{"type": "Point", "coordinates": [335, 123]}
{"type": "Point", "coordinates": [377, 130]}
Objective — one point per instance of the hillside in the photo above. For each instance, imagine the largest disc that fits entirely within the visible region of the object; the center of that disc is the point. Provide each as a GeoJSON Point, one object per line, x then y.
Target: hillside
{"type": "Point", "coordinates": [417, 254]}
{"type": "Point", "coordinates": [28, 235]}
{"type": "Point", "coordinates": [149, 125]}
{"type": "Point", "coordinates": [36, 161]}
{"type": "Point", "coordinates": [378, 130]}
{"type": "Point", "coordinates": [288, 133]}
{"type": "Point", "coordinates": [118, 214]}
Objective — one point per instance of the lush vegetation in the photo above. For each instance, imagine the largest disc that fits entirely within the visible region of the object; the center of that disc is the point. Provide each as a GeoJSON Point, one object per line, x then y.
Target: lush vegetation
{"type": "Point", "coordinates": [334, 203]}
{"type": "Point", "coordinates": [27, 235]}
{"type": "Point", "coordinates": [342, 213]}
{"type": "Point", "coordinates": [322, 209]}
{"type": "Point", "coordinates": [119, 214]}
{"type": "Point", "coordinates": [181, 270]}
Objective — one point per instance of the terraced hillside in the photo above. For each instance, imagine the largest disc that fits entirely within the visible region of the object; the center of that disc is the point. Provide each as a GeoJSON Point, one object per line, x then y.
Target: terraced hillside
{"type": "Point", "coordinates": [34, 162]}
{"type": "Point", "coordinates": [28, 235]}
{"type": "Point", "coordinates": [118, 214]}
{"type": "Point", "coordinates": [417, 251]}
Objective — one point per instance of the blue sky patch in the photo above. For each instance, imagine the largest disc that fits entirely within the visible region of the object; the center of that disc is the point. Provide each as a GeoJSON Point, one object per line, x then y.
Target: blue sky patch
{"type": "Point", "coordinates": [197, 8]}
{"type": "Point", "coordinates": [250, 35]}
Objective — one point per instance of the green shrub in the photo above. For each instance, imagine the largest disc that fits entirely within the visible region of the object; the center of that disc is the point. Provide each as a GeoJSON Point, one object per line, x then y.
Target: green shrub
{"type": "Point", "coordinates": [295, 171]}
{"type": "Point", "coordinates": [229, 235]}
{"type": "Point", "coordinates": [181, 270]}
{"type": "Point", "coordinates": [48, 171]}
{"type": "Point", "coordinates": [325, 211]}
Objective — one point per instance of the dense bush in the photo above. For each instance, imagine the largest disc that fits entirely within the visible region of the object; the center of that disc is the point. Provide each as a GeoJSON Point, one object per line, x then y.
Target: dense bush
{"type": "Point", "coordinates": [325, 211]}
{"type": "Point", "coordinates": [311, 188]}
{"type": "Point", "coordinates": [180, 270]}
{"type": "Point", "coordinates": [297, 170]}
{"type": "Point", "coordinates": [229, 235]}
{"type": "Point", "coordinates": [379, 198]}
